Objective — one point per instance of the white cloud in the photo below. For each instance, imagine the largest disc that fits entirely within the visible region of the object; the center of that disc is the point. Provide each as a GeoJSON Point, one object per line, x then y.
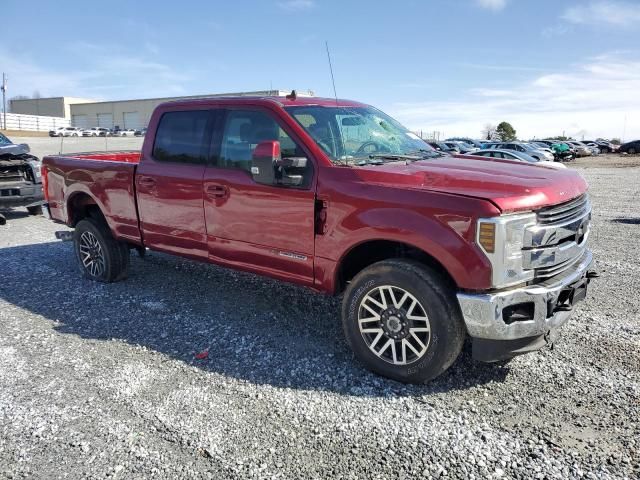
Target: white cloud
{"type": "Point", "coordinates": [100, 75]}
{"type": "Point", "coordinates": [494, 5]}
{"type": "Point", "coordinates": [593, 99]}
{"type": "Point", "coordinates": [296, 5]}
{"type": "Point", "coordinates": [614, 13]}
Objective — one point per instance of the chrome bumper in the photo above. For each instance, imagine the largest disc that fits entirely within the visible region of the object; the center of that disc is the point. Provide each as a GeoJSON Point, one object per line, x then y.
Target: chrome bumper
{"type": "Point", "coordinates": [483, 313]}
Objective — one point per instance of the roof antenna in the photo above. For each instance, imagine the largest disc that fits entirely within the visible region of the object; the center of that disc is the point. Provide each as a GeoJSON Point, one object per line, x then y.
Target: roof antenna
{"type": "Point", "coordinates": [333, 81]}
{"type": "Point", "coordinates": [335, 95]}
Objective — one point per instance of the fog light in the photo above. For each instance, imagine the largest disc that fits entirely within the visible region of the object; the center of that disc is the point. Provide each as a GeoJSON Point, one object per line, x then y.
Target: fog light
{"type": "Point", "coordinates": [520, 312]}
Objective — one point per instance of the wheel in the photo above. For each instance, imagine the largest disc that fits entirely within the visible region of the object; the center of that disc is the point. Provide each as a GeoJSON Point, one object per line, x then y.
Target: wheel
{"type": "Point", "coordinates": [35, 210]}
{"type": "Point", "coordinates": [402, 321]}
{"type": "Point", "coordinates": [100, 257]}
{"type": "Point", "coordinates": [632, 151]}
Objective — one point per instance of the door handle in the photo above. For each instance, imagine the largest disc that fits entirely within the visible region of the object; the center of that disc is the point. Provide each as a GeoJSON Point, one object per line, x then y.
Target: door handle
{"type": "Point", "coordinates": [147, 182]}
{"type": "Point", "coordinates": [216, 191]}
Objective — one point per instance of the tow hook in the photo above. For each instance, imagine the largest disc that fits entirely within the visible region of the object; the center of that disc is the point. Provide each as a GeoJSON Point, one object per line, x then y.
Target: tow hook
{"type": "Point", "coordinates": [64, 235]}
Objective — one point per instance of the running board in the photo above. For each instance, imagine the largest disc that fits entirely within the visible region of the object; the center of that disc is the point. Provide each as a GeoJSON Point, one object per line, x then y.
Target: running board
{"type": "Point", "coordinates": [64, 235]}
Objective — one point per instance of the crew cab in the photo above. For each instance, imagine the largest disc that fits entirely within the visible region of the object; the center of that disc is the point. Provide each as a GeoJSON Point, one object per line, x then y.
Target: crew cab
{"type": "Point", "coordinates": [335, 195]}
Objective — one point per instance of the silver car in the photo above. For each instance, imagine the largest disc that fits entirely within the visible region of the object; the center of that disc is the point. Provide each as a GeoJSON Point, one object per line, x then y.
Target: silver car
{"type": "Point", "coordinates": [518, 156]}
{"type": "Point", "coordinates": [527, 148]}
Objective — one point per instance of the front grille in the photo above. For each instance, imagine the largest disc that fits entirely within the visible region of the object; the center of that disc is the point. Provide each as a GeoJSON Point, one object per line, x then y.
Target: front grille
{"type": "Point", "coordinates": [10, 192]}
{"type": "Point", "coordinates": [558, 240]}
{"type": "Point", "coordinates": [565, 211]}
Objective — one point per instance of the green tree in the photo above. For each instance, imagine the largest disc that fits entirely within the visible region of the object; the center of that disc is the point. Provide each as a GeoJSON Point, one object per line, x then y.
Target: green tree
{"type": "Point", "coordinates": [506, 131]}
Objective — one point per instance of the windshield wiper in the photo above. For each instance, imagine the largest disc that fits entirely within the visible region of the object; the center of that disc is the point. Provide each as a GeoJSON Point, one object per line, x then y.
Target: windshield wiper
{"type": "Point", "coordinates": [395, 156]}
{"type": "Point", "coordinates": [425, 153]}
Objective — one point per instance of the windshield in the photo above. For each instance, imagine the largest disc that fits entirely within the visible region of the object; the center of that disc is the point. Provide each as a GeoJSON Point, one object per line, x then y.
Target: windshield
{"type": "Point", "coordinates": [4, 140]}
{"type": "Point", "coordinates": [352, 134]}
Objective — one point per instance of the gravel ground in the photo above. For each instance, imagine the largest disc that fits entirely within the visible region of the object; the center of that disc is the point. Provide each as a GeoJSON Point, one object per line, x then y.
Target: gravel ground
{"type": "Point", "coordinates": [110, 381]}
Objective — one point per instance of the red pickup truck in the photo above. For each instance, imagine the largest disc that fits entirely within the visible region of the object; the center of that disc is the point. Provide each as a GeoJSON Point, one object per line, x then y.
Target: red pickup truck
{"type": "Point", "coordinates": [337, 196]}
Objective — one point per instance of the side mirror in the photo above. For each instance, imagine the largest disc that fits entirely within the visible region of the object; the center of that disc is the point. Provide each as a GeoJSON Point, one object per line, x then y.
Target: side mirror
{"type": "Point", "coordinates": [269, 168]}
{"type": "Point", "coordinates": [265, 157]}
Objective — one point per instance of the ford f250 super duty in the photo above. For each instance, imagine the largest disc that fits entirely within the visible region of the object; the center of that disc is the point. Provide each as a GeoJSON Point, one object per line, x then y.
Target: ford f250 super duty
{"type": "Point", "coordinates": [335, 195]}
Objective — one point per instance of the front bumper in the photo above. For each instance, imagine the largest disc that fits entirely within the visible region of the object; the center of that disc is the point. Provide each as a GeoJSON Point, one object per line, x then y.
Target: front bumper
{"type": "Point", "coordinates": [20, 194]}
{"type": "Point", "coordinates": [545, 306]}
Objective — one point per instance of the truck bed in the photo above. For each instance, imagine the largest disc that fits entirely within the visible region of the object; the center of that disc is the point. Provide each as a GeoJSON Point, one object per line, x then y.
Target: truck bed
{"type": "Point", "coordinates": [104, 178]}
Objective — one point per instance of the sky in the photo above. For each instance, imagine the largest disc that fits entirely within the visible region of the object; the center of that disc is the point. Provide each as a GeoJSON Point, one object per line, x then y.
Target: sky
{"type": "Point", "coordinates": [450, 66]}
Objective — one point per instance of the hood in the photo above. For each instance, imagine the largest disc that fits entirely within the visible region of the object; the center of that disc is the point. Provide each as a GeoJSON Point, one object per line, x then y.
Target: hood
{"type": "Point", "coordinates": [13, 149]}
{"type": "Point", "coordinates": [511, 186]}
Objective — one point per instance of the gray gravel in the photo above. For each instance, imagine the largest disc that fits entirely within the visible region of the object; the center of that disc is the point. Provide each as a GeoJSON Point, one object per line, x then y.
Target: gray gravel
{"type": "Point", "coordinates": [103, 381]}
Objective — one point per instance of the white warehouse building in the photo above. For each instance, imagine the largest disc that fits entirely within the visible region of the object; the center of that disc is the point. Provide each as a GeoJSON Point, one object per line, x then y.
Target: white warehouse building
{"type": "Point", "coordinates": [86, 113]}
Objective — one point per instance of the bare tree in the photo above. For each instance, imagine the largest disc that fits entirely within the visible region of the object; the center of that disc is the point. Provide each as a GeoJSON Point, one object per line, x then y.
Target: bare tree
{"type": "Point", "coordinates": [489, 132]}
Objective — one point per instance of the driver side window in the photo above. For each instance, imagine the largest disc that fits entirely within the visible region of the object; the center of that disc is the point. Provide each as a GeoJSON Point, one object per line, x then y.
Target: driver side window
{"type": "Point", "coordinates": [244, 130]}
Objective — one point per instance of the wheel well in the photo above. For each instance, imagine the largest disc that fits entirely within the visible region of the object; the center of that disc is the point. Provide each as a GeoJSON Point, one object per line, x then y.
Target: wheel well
{"type": "Point", "coordinates": [368, 253]}
{"type": "Point", "coordinates": [81, 206]}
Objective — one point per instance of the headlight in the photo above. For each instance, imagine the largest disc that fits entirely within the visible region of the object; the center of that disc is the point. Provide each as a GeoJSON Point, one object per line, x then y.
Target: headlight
{"type": "Point", "coordinates": [502, 239]}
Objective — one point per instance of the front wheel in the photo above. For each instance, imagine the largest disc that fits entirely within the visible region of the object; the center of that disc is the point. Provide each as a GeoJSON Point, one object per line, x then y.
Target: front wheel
{"type": "Point", "coordinates": [632, 151]}
{"type": "Point", "coordinates": [100, 256]}
{"type": "Point", "coordinates": [401, 321]}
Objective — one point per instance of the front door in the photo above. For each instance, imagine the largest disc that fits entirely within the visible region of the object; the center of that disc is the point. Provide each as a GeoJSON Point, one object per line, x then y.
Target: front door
{"type": "Point", "coordinates": [169, 184]}
{"type": "Point", "coordinates": [267, 229]}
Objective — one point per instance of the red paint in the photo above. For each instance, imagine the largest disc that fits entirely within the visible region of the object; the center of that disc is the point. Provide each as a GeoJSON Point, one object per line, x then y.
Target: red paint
{"type": "Point", "coordinates": [224, 217]}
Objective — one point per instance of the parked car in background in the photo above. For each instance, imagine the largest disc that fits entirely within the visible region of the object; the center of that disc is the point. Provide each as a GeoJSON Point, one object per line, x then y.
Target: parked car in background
{"type": "Point", "coordinates": [127, 132]}
{"type": "Point", "coordinates": [581, 149]}
{"type": "Point", "coordinates": [595, 148]}
{"type": "Point", "coordinates": [469, 141]}
{"type": "Point", "coordinates": [96, 132]}
{"type": "Point", "coordinates": [20, 178]}
{"type": "Point", "coordinates": [522, 147]}
{"type": "Point", "coordinates": [606, 147]}
{"type": "Point", "coordinates": [453, 147]}
{"type": "Point", "coordinates": [66, 132]}
{"type": "Point", "coordinates": [630, 147]}
{"type": "Point", "coordinates": [517, 156]}
{"type": "Point", "coordinates": [141, 132]}
{"type": "Point", "coordinates": [443, 147]}
{"type": "Point", "coordinates": [56, 132]}
{"type": "Point", "coordinates": [461, 146]}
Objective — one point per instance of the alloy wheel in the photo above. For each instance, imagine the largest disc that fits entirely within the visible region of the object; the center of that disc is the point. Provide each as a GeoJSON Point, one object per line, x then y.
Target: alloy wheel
{"type": "Point", "coordinates": [394, 325]}
{"type": "Point", "coordinates": [91, 254]}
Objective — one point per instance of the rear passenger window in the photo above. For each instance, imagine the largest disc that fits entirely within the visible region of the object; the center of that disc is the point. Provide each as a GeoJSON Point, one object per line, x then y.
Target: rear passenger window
{"type": "Point", "coordinates": [181, 138]}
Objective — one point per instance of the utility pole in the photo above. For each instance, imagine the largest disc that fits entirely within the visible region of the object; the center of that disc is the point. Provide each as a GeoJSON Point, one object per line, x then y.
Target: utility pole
{"type": "Point", "coordinates": [4, 98]}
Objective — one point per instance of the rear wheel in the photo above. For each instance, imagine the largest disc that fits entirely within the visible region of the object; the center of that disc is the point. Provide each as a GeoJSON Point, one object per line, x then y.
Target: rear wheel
{"type": "Point", "coordinates": [402, 322]}
{"type": "Point", "coordinates": [100, 257]}
{"type": "Point", "coordinates": [632, 151]}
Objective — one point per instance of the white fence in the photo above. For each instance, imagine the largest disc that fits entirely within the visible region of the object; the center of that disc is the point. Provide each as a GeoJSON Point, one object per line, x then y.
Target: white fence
{"type": "Point", "coordinates": [35, 123]}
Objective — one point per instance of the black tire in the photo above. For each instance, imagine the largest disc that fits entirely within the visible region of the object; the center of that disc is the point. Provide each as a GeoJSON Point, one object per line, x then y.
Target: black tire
{"type": "Point", "coordinates": [447, 331]}
{"type": "Point", "coordinates": [632, 151]}
{"type": "Point", "coordinates": [115, 254]}
{"type": "Point", "coordinates": [35, 210]}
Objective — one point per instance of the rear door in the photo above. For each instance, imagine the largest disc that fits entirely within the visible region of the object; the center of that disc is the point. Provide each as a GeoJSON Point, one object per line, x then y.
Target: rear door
{"type": "Point", "coordinates": [169, 184]}
{"type": "Point", "coordinates": [267, 229]}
